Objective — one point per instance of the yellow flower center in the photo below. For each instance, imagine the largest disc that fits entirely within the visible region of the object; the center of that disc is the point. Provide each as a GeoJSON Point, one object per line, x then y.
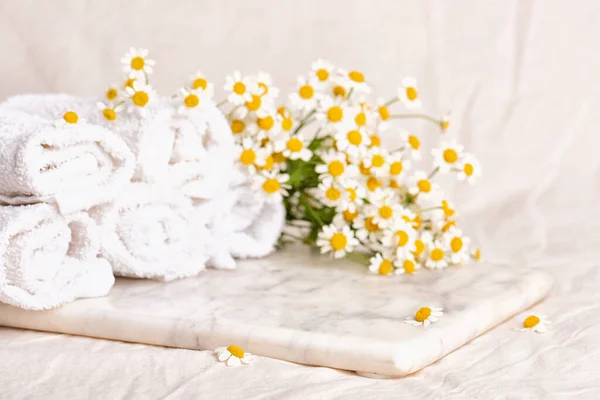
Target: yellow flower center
{"type": "Point", "coordinates": [306, 92]}
{"type": "Point", "coordinates": [531, 321]}
{"type": "Point", "coordinates": [377, 160]}
{"type": "Point", "coordinates": [339, 91]}
{"type": "Point", "coordinates": [287, 124]}
{"type": "Point", "coordinates": [396, 167]}
{"type": "Point", "coordinates": [477, 255]}
{"type": "Point", "coordinates": [354, 137]}
{"type": "Point", "coordinates": [386, 212]}
{"type": "Point", "coordinates": [424, 185]}
{"type": "Point", "coordinates": [448, 225]}
{"type": "Point", "coordinates": [294, 145]}
{"type": "Point", "coordinates": [417, 222]}
{"type": "Point", "coordinates": [468, 169]}
{"type": "Point", "coordinates": [129, 83]}
{"type": "Point", "coordinates": [352, 194]}
{"type": "Point", "coordinates": [111, 94]}
{"type": "Point", "coordinates": [375, 141]}
{"type": "Point", "coordinates": [384, 113]}
{"type": "Point", "coordinates": [422, 314]}
{"type": "Point", "coordinates": [333, 194]}
{"type": "Point", "coordinates": [109, 114]}
{"type": "Point", "coordinates": [239, 88]}
{"type": "Point", "coordinates": [414, 142]}
{"type": "Point", "coordinates": [71, 117]}
{"type": "Point", "coordinates": [137, 63]}
{"type": "Point", "coordinates": [248, 157]}
{"type": "Point", "coordinates": [269, 162]}
{"type": "Point", "coordinates": [281, 110]}
{"type": "Point", "coordinates": [322, 74]}
{"type": "Point", "coordinates": [254, 104]}
{"type": "Point", "coordinates": [456, 244]}
{"type": "Point", "coordinates": [437, 254]}
{"type": "Point", "coordinates": [360, 119]}
{"type": "Point", "coordinates": [271, 185]}
{"type": "Point", "coordinates": [394, 184]}
{"type": "Point", "coordinates": [445, 125]}
{"type": "Point", "coordinates": [265, 123]}
{"type": "Point", "coordinates": [237, 126]}
{"type": "Point", "coordinates": [335, 114]}
{"type": "Point", "coordinates": [191, 100]}
{"type": "Point", "coordinates": [278, 158]}
{"type": "Point", "coordinates": [264, 87]}
{"type": "Point", "coordinates": [450, 156]}
{"type": "Point", "coordinates": [419, 247]}
{"type": "Point", "coordinates": [364, 170]}
{"type": "Point", "coordinates": [336, 168]}
{"type": "Point", "coordinates": [199, 83]}
{"type": "Point", "coordinates": [402, 238]}
{"type": "Point", "coordinates": [350, 216]}
{"type": "Point", "coordinates": [409, 266]}
{"type": "Point", "coordinates": [411, 93]}
{"type": "Point", "coordinates": [140, 99]}
{"type": "Point", "coordinates": [373, 183]}
{"type": "Point", "coordinates": [385, 267]}
{"type": "Point", "coordinates": [356, 76]}
{"type": "Point", "coordinates": [448, 212]}
{"type": "Point", "coordinates": [236, 351]}
{"type": "Point", "coordinates": [370, 225]}
{"type": "Point", "coordinates": [338, 241]}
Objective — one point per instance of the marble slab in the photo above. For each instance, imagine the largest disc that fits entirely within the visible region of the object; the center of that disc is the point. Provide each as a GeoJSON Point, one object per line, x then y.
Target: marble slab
{"type": "Point", "coordinates": [301, 307]}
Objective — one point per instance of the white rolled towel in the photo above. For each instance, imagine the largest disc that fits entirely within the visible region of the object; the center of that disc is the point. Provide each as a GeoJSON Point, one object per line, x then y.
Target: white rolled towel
{"type": "Point", "coordinates": [47, 260]}
{"type": "Point", "coordinates": [75, 167]}
{"type": "Point", "coordinates": [151, 138]}
{"type": "Point", "coordinates": [148, 233]}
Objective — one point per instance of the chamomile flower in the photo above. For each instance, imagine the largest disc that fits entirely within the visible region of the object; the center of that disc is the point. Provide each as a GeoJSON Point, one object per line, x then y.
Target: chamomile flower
{"type": "Point", "coordinates": [331, 193]}
{"type": "Point", "coordinates": [355, 80]}
{"type": "Point", "coordinates": [198, 81]}
{"type": "Point", "coordinates": [476, 254]}
{"type": "Point", "coordinates": [265, 126]}
{"type": "Point", "coordinates": [285, 121]}
{"type": "Point", "coordinates": [447, 156]}
{"type": "Point", "coordinates": [338, 90]}
{"type": "Point", "coordinates": [332, 113]}
{"type": "Point", "coordinates": [140, 97]}
{"type": "Point", "coordinates": [363, 117]}
{"type": "Point", "coordinates": [238, 126]}
{"type": "Point", "coordinates": [234, 356]}
{"type": "Point", "coordinates": [413, 144]}
{"type": "Point", "coordinates": [458, 245]}
{"type": "Point", "coordinates": [425, 316]}
{"type": "Point", "coordinates": [265, 85]}
{"type": "Point", "coordinates": [351, 140]}
{"type": "Point", "coordinates": [468, 169]}
{"type": "Point", "coordinates": [295, 147]}
{"type": "Point", "coordinates": [112, 93]}
{"type": "Point", "coordinates": [337, 240]}
{"type": "Point", "coordinates": [374, 140]}
{"type": "Point", "coordinates": [445, 122]}
{"type": "Point", "coordinates": [384, 208]}
{"type": "Point", "coordinates": [136, 64]}
{"type": "Point", "coordinates": [421, 184]}
{"type": "Point", "coordinates": [194, 99]}
{"type": "Point", "coordinates": [345, 217]}
{"type": "Point", "coordinates": [383, 115]}
{"type": "Point", "coordinates": [272, 186]}
{"type": "Point", "coordinates": [68, 119]}
{"type": "Point", "coordinates": [240, 88]}
{"type": "Point", "coordinates": [250, 154]}
{"type": "Point", "coordinates": [322, 72]}
{"type": "Point", "coordinates": [400, 236]}
{"type": "Point", "coordinates": [408, 93]}
{"type": "Point", "coordinates": [422, 243]}
{"type": "Point", "coordinates": [356, 195]}
{"type": "Point", "coordinates": [334, 167]}
{"type": "Point", "coordinates": [397, 166]}
{"type": "Point", "coordinates": [375, 159]}
{"type": "Point", "coordinates": [406, 265]}
{"type": "Point", "coordinates": [382, 265]}
{"type": "Point", "coordinates": [437, 255]}
{"type": "Point", "coordinates": [366, 228]}
{"type": "Point", "coordinates": [535, 323]}
{"type": "Point", "coordinates": [306, 95]}
{"type": "Point", "coordinates": [109, 110]}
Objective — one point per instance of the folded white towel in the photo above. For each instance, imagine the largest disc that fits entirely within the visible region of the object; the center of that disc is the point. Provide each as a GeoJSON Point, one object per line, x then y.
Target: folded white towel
{"type": "Point", "coordinates": [148, 232]}
{"type": "Point", "coordinates": [151, 139]}
{"type": "Point", "coordinates": [75, 167]}
{"type": "Point", "coordinates": [47, 260]}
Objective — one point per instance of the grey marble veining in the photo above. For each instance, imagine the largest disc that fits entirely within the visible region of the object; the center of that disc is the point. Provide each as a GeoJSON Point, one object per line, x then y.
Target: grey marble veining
{"type": "Point", "coordinates": [301, 307]}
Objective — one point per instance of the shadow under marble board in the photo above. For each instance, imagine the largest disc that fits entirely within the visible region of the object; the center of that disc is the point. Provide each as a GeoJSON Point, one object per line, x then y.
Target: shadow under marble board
{"type": "Point", "coordinates": [298, 306]}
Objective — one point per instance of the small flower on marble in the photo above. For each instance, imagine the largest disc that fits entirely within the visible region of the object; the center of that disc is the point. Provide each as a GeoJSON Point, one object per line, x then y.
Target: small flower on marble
{"type": "Point", "coordinates": [69, 118]}
{"type": "Point", "coordinates": [536, 323]}
{"type": "Point", "coordinates": [425, 316]}
{"type": "Point", "coordinates": [234, 356]}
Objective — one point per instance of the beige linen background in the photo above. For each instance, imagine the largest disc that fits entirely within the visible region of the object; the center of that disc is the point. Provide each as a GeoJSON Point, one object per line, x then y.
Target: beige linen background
{"type": "Point", "coordinates": [521, 78]}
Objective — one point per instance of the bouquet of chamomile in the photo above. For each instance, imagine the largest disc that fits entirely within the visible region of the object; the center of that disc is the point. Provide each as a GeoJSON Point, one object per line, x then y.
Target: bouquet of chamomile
{"type": "Point", "coordinates": [319, 150]}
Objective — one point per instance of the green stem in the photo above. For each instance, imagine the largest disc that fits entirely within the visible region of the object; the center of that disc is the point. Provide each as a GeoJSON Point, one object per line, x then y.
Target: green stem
{"type": "Point", "coordinates": [392, 101]}
{"type": "Point", "coordinates": [417, 116]}
{"type": "Point", "coordinates": [219, 104]}
{"type": "Point", "coordinates": [359, 258]}
{"type": "Point", "coordinates": [303, 122]}
{"type": "Point", "coordinates": [350, 93]}
{"type": "Point", "coordinates": [310, 210]}
{"type": "Point", "coordinates": [432, 174]}
{"type": "Point", "coordinates": [293, 236]}
{"type": "Point", "coordinates": [430, 209]}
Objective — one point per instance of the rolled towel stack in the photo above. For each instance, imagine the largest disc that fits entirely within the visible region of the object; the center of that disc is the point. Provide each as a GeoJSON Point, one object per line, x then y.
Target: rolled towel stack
{"type": "Point", "coordinates": [50, 176]}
